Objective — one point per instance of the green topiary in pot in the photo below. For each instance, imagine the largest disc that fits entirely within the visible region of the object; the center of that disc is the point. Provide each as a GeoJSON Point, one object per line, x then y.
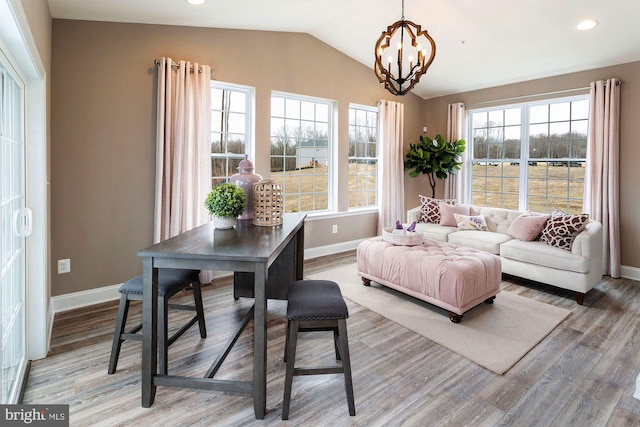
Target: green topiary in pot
{"type": "Point", "coordinates": [435, 158]}
{"type": "Point", "coordinates": [226, 200]}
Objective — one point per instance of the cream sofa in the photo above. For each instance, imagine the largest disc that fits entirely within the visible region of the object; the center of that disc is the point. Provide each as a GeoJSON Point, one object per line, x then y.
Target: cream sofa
{"type": "Point", "coordinates": [577, 270]}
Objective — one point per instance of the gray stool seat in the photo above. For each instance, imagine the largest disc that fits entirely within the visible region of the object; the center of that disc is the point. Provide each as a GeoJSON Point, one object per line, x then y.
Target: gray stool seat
{"type": "Point", "coordinates": [170, 282]}
{"type": "Point", "coordinates": [317, 305]}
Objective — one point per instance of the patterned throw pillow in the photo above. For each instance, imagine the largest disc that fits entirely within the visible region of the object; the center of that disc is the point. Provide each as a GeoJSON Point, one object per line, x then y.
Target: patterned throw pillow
{"type": "Point", "coordinates": [561, 229]}
{"type": "Point", "coordinates": [475, 223]}
{"type": "Point", "coordinates": [430, 210]}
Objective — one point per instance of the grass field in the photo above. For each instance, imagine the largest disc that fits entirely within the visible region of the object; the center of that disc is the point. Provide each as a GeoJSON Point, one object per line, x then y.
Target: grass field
{"type": "Point", "coordinates": [497, 186]}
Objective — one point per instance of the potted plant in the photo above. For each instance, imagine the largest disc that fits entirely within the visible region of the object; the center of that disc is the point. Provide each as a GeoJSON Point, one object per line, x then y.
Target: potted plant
{"type": "Point", "coordinates": [225, 203]}
{"type": "Point", "coordinates": [435, 158]}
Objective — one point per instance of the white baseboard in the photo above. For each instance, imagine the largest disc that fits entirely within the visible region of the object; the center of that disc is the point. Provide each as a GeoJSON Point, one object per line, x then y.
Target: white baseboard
{"type": "Point", "coordinates": [637, 393]}
{"type": "Point", "coordinates": [331, 249]}
{"type": "Point", "coordinates": [81, 299]}
{"type": "Point", "coordinates": [630, 272]}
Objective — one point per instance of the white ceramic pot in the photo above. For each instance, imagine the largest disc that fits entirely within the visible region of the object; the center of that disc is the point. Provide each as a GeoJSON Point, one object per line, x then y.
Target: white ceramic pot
{"type": "Point", "coordinates": [224, 223]}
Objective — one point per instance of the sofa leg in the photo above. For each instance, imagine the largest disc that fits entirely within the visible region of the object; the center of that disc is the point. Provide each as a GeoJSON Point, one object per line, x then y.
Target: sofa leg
{"type": "Point", "coordinates": [455, 318]}
{"type": "Point", "coordinates": [490, 300]}
{"type": "Point", "coordinates": [579, 298]}
{"type": "Point", "coordinates": [366, 282]}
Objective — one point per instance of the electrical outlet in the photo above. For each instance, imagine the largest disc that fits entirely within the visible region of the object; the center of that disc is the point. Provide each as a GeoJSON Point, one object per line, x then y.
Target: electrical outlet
{"type": "Point", "coordinates": [64, 266]}
{"type": "Point", "coordinates": [335, 228]}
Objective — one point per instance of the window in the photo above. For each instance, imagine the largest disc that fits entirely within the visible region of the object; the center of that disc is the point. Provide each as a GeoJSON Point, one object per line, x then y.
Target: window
{"type": "Point", "coordinates": [231, 120]}
{"type": "Point", "coordinates": [301, 138]}
{"type": "Point", "coordinates": [363, 156]}
{"type": "Point", "coordinates": [530, 156]}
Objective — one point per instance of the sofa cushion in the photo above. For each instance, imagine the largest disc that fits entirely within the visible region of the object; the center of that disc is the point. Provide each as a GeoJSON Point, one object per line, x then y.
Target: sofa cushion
{"type": "Point", "coordinates": [527, 227]}
{"type": "Point", "coordinates": [539, 253]}
{"type": "Point", "coordinates": [430, 210]}
{"type": "Point", "coordinates": [560, 229]}
{"type": "Point", "coordinates": [498, 219]}
{"type": "Point", "coordinates": [434, 231]}
{"type": "Point", "coordinates": [467, 222]}
{"type": "Point", "coordinates": [447, 211]}
{"type": "Point", "coordinates": [489, 242]}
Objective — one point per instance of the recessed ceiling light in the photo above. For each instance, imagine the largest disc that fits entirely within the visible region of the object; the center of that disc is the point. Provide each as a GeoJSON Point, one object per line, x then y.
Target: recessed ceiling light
{"type": "Point", "coordinates": [587, 24]}
{"type": "Point", "coordinates": [196, 1]}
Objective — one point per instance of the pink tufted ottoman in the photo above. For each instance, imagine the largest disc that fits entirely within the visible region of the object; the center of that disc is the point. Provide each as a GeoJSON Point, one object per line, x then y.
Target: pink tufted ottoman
{"type": "Point", "coordinates": [455, 278]}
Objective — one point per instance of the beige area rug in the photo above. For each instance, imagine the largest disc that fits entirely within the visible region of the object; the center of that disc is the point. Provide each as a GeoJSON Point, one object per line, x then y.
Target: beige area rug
{"type": "Point", "coordinates": [495, 336]}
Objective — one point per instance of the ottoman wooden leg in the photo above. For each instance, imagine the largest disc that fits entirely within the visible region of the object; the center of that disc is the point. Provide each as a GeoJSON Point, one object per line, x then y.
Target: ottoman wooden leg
{"type": "Point", "coordinates": [455, 318]}
{"type": "Point", "coordinates": [366, 282]}
{"type": "Point", "coordinates": [490, 300]}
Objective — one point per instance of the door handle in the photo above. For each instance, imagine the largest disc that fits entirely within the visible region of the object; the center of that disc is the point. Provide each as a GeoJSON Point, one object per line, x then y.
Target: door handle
{"type": "Point", "coordinates": [22, 222]}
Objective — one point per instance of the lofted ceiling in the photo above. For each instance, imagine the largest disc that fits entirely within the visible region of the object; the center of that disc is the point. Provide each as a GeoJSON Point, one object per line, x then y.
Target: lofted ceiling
{"type": "Point", "coordinates": [480, 43]}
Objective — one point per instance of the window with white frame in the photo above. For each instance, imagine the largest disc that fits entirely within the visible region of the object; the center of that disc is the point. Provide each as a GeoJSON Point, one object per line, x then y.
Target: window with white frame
{"type": "Point", "coordinates": [301, 146]}
{"type": "Point", "coordinates": [231, 124]}
{"type": "Point", "coordinates": [530, 156]}
{"type": "Point", "coordinates": [363, 156]}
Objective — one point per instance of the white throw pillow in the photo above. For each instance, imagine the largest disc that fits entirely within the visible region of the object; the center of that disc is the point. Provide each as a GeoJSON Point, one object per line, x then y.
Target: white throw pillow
{"type": "Point", "coordinates": [466, 222]}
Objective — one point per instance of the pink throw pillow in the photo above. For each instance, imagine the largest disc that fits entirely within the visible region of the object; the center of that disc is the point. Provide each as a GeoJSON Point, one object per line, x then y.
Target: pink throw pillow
{"type": "Point", "coordinates": [527, 227]}
{"type": "Point", "coordinates": [447, 211]}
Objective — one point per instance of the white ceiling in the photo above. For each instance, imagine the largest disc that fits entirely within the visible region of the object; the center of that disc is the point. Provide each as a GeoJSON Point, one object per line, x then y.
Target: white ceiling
{"type": "Point", "coordinates": [480, 43]}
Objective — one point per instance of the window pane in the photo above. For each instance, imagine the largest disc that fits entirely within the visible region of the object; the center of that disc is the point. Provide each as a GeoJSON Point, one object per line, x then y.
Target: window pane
{"type": "Point", "coordinates": [560, 111]}
{"type": "Point", "coordinates": [580, 109]}
{"type": "Point", "coordinates": [539, 114]}
{"type": "Point", "coordinates": [363, 163]}
{"type": "Point", "coordinates": [230, 118]}
{"type": "Point", "coordinates": [300, 146]}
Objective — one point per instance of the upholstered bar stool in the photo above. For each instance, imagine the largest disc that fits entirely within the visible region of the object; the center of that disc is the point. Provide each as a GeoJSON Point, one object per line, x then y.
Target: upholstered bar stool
{"type": "Point", "coordinates": [317, 305]}
{"type": "Point", "coordinates": [170, 282]}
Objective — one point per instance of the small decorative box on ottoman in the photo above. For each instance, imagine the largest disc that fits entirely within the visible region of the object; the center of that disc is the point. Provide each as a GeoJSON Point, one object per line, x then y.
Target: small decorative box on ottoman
{"type": "Point", "coordinates": [451, 277]}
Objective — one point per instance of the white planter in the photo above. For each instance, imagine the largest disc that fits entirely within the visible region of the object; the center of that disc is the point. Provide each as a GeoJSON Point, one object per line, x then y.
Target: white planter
{"type": "Point", "coordinates": [224, 223]}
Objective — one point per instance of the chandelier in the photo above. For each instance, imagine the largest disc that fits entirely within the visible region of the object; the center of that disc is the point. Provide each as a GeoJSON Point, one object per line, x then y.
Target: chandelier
{"type": "Point", "coordinates": [401, 56]}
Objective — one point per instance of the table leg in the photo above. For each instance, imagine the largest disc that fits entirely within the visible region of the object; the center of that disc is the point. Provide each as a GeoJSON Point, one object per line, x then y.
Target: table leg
{"type": "Point", "coordinates": [260, 342]}
{"type": "Point", "coordinates": [149, 331]}
{"type": "Point", "coordinates": [300, 253]}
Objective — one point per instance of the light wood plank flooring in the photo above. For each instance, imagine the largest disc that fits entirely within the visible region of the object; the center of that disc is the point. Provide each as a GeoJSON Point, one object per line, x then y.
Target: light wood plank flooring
{"type": "Point", "coordinates": [582, 374]}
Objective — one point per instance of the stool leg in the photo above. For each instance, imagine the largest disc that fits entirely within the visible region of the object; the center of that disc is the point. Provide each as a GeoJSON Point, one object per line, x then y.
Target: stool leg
{"type": "Point", "coordinates": [346, 364]}
{"type": "Point", "coordinates": [197, 299]}
{"type": "Point", "coordinates": [290, 356]}
{"type": "Point", "coordinates": [121, 321]}
{"type": "Point", "coordinates": [163, 337]}
{"type": "Point", "coordinates": [336, 337]}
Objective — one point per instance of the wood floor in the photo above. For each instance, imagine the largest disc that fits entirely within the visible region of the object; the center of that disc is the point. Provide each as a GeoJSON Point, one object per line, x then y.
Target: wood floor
{"type": "Point", "coordinates": [582, 374]}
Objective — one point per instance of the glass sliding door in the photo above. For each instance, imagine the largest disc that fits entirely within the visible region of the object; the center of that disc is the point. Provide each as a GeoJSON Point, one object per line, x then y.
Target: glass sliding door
{"type": "Point", "coordinates": [14, 224]}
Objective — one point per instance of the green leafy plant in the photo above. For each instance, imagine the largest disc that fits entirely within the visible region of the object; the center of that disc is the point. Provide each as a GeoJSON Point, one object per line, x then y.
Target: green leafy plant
{"type": "Point", "coordinates": [435, 158]}
{"type": "Point", "coordinates": [226, 200]}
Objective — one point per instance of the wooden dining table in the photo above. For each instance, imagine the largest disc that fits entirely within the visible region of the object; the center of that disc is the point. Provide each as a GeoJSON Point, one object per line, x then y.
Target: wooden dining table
{"type": "Point", "coordinates": [264, 261]}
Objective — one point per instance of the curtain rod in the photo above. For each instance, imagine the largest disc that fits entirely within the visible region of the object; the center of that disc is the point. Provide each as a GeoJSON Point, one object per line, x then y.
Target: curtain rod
{"type": "Point", "coordinates": [175, 66]}
{"type": "Point", "coordinates": [618, 83]}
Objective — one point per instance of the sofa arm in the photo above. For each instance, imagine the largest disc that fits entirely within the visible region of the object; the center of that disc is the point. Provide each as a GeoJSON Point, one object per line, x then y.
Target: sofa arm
{"type": "Point", "coordinates": [414, 214]}
{"type": "Point", "coordinates": [589, 245]}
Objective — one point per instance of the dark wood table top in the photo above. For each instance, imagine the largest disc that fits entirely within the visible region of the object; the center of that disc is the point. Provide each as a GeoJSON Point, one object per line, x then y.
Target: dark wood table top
{"type": "Point", "coordinates": [246, 241]}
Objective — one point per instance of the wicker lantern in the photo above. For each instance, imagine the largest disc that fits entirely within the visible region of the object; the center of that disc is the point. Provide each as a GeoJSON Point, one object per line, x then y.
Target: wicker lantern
{"type": "Point", "coordinates": [267, 202]}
